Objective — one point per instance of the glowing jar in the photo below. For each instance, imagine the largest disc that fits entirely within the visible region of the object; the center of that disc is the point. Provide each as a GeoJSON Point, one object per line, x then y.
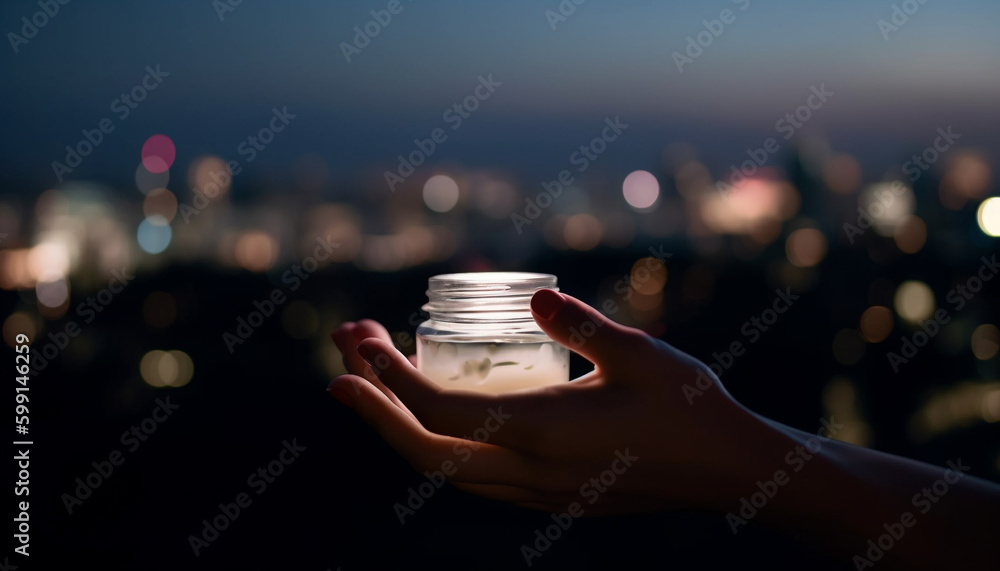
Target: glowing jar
{"type": "Point", "coordinates": [481, 336]}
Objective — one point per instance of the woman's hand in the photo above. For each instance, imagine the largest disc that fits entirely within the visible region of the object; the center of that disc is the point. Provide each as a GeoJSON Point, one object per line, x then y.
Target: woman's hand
{"type": "Point", "coordinates": [545, 448]}
{"type": "Point", "coordinates": [653, 428]}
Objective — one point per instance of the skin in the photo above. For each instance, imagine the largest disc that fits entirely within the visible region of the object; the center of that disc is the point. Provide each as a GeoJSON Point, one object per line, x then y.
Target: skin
{"type": "Point", "coordinates": [703, 453]}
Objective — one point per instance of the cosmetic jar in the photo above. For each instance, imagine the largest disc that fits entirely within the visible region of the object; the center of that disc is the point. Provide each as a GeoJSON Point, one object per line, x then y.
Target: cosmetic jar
{"type": "Point", "coordinates": [481, 336]}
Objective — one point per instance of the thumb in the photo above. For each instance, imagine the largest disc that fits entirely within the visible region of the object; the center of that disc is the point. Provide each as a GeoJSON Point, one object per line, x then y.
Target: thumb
{"type": "Point", "coordinates": [583, 329]}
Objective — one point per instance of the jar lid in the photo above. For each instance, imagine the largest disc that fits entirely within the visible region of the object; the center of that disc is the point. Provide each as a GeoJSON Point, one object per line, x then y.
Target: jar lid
{"type": "Point", "coordinates": [485, 296]}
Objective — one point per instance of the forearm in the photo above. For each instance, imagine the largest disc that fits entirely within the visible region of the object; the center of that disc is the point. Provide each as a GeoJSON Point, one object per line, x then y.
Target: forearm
{"type": "Point", "coordinates": [839, 496]}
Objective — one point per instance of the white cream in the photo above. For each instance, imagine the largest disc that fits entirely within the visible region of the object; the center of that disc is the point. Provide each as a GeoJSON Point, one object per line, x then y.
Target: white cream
{"type": "Point", "coordinates": [492, 368]}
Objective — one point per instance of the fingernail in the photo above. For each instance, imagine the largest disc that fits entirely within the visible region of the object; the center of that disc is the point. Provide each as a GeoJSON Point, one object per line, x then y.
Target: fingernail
{"type": "Point", "coordinates": [546, 303]}
{"type": "Point", "coordinates": [341, 393]}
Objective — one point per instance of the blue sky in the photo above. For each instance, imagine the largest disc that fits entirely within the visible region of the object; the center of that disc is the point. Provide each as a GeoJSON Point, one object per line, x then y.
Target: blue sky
{"type": "Point", "coordinates": [608, 58]}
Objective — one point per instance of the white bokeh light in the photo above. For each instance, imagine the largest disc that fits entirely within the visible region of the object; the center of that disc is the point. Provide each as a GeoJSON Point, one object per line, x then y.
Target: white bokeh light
{"type": "Point", "coordinates": [989, 216]}
{"type": "Point", "coordinates": [440, 193]}
{"type": "Point", "coordinates": [641, 189]}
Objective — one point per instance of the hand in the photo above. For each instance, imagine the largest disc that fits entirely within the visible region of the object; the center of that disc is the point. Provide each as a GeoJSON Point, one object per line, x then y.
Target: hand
{"type": "Point", "coordinates": [548, 447]}
{"type": "Point", "coordinates": [631, 436]}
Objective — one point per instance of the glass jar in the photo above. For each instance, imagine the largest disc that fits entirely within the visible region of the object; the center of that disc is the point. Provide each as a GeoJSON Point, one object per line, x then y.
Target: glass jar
{"type": "Point", "coordinates": [481, 336]}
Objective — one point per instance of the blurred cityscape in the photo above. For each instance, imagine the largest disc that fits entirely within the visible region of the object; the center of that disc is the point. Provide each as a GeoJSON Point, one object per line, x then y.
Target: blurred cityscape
{"type": "Point", "coordinates": [882, 253]}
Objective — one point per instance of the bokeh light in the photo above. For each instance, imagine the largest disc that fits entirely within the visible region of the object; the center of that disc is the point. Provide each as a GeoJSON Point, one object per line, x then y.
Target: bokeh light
{"type": "Point", "coordinates": [154, 234]}
{"type": "Point", "coordinates": [52, 293]}
{"type": "Point", "coordinates": [641, 189]}
{"type": "Point", "coordinates": [805, 247]}
{"type": "Point", "coordinates": [185, 368]}
{"type": "Point", "coordinates": [888, 204]}
{"type": "Point", "coordinates": [914, 301]}
{"type": "Point", "coordinates": [48, 259]}
{"type": "Point", "coordinates": [149, 368]}
{"type": "Point", "coordinates": [166, 368]}
{"type": "Point", "coordinates": [988, 216]}
{"type": "Point", "coordinates": [162, 202]}
{"type": "Point", "coordinates": [840, 401]}
{"type": "Point", "coordinates": [50, 206]}
{"type": "Point", "coordinates": [210, 175]}
{"type": "Point", "coordinates": [963, 405]}
{"type": "Point", "coordinates": [910, 235]}
{"type": "Point", "coordinates": [991, 406]}
{"type": "Point", "coordinates": [842, 174]}
{"type": "Point", "coordinates": [441, 193]}
{"type": "Point", "coordinates": [158, 153]}
{"type": "Point", "coordinates": [14, 272]}
{"type": "Point", "coordinates": [256, 251]}
{"type": "Point", "coordinates": [967, 177]}
{"type": "Point", "coordinates": [582, 232]}
{"type": "Point", "coordinates": [749, 204]}
{"type": "Point", "coordinates": [985, 341]}
{"type": "Point", "coordinates": [876, 323]}
{"type": "Point", "coordinates": [644, 302]}
{"type": "Point", "coordinates": [648, 276]}
{"type": "Point", "coordinates": [18, 322]}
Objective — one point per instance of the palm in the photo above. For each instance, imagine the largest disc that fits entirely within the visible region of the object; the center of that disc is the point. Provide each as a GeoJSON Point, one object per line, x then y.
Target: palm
{"type": "Point", "coordinates": [539, 447]}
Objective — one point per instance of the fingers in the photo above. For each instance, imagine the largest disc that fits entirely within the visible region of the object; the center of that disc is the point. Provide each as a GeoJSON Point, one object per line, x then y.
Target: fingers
{"type": "Point", "coordinates": [396, 371]}
{"type": "Point", "coordinates": [347, 337]}
{"type": "Point", "coordinates": [461, 460]}
{"type": "Point", "coordinates": [589, 332]}
{"type": "Point", "coordinates": [514, 421]}
{"type": "Point", "coordinates": [349, 334]}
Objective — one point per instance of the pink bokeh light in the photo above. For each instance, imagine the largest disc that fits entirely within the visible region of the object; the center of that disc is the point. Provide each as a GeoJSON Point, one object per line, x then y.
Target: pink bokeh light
{"type": "Point", "coordinates": [158, 153]}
